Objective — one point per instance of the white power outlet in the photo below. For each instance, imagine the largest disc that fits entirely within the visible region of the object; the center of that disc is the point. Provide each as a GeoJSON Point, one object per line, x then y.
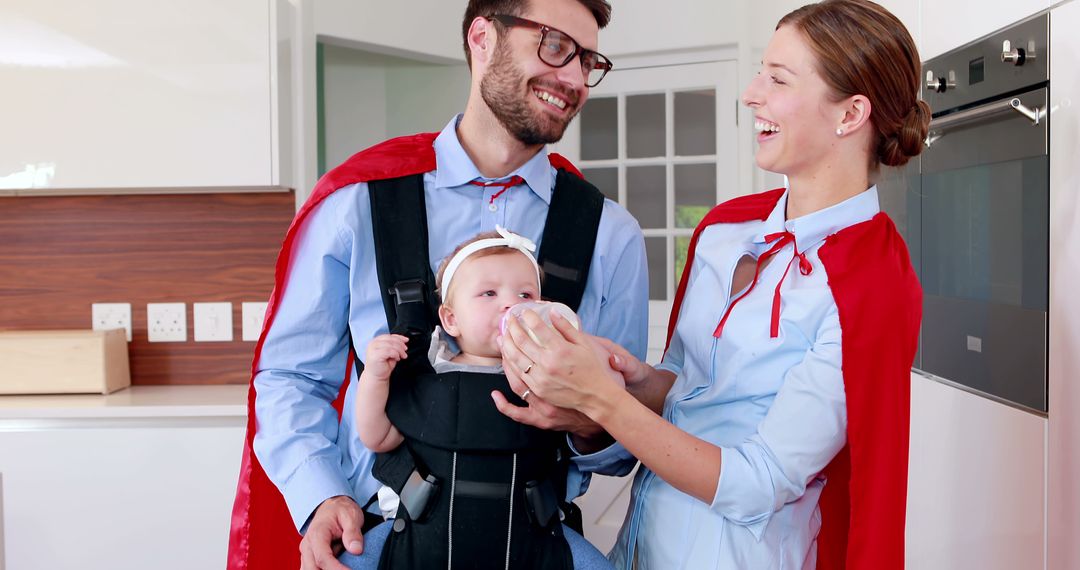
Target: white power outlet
{"type": "Point", "coordinates": [107, 316]}
{"type": "Point", "coordinates": [166, 322]}
{"type": "Point", "coordinates": [213, 322]}
{"type": "Point", "coordinates": [251, 315]}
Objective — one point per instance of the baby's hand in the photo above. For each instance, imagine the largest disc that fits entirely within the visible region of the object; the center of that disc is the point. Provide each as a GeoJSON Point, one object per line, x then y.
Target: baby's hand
{"type": "Point", "coordinates": [383, 354]}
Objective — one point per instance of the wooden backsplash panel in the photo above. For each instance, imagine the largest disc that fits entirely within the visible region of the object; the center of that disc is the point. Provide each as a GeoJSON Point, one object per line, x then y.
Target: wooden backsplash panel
{"type": "Point", "coordinates": [59, 254]}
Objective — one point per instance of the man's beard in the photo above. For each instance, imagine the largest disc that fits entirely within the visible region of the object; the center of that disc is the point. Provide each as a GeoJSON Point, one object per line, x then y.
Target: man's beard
{"type": "Point", "coordinates": [500, 89]}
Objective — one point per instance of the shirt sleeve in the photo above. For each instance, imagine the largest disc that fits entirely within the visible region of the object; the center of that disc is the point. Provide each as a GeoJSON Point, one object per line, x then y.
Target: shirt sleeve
{"type": "Point", "coordinates": [802, 432]}
{"type": "Point", "coordinates": [624, 318]}
{"type": "Point", "coordinates": [624, 307]}
{"type": "Point", "coordinates": [302, 366]}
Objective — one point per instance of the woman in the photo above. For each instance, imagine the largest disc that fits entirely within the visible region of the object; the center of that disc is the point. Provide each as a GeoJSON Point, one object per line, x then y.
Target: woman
{"type": "Point", "coordinates": [781, 439]}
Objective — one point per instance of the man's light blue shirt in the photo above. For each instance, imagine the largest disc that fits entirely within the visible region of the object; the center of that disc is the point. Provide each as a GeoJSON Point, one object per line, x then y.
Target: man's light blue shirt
{"type": "Point", "coordinates": [775, 406]}
{"type": "Point", "coordinates": [333, 295]}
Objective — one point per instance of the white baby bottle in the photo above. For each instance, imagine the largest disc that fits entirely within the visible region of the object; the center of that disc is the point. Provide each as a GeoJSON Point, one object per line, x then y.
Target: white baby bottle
{"type": "Point", "coordinates": [543, 309]}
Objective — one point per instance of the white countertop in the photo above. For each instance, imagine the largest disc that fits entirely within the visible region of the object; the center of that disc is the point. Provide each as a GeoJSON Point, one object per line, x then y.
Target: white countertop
{"type": "Point", "coordinates": [133, 402]}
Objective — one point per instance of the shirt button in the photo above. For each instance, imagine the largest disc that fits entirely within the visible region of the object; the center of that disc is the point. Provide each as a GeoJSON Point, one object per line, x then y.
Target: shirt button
{"type": "Point", "coordinates": [492, 207]}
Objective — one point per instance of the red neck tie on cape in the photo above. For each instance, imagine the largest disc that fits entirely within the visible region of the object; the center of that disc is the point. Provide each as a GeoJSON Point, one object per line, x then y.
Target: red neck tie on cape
{"type": "Point", "coordinates": [781, 239]}
{"type": "Point", "coordinates": [514, 181]}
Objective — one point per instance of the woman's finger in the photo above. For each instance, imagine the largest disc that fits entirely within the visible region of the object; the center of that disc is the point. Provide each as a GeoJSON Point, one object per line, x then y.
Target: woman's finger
{"type": "Point", "coordinates": [523, 351]}
{"type": "Point", "coordinates": [567, 329]}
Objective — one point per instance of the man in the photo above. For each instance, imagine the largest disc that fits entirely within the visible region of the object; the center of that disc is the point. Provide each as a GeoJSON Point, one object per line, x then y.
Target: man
{"type": "Point", "coordinates": [532, 65]}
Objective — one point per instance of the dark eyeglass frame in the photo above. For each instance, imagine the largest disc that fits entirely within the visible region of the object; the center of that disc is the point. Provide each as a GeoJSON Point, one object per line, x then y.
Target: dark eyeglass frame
{"type": "Point", "coordinates": [602, 63]}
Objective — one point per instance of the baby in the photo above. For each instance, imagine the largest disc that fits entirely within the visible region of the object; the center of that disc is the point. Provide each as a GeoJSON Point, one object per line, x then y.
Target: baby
{"type": "Point", "coordinates": [479, 282]}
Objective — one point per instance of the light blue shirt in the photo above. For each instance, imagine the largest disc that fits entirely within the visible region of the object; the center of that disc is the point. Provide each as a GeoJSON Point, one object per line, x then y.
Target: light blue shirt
{"type": "Point", "coordinates": [333, 290]}
{"type": "Point", "coordinates": [775, 406]}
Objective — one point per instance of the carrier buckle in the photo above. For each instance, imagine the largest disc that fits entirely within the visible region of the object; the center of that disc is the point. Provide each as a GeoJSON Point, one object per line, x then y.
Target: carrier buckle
{"type": "Point", "coordinates": [409, 291]}
{"type": "Point", "coordinates": [540, 496]}
{"type": "Point", "coordinates": [417, 494]}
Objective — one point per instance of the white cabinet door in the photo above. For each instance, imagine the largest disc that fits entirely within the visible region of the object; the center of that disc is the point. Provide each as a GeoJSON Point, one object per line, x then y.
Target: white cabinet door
{"type": "Point", "coordinates": [976, 482]}
{"type": "Point", "coordinates": [135, 94]}
{"type": "Point", "coordinates": [1063, 454]}
{"type": "Point", "coordinates": [119, 494]}
{"type": "Point", "coordinates": [948, 25]}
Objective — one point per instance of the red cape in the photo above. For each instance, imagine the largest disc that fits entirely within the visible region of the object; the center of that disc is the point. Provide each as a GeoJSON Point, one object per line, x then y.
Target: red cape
{"type": "Point", "coordinates": [879, 301]}
{"type": "Point", "coordinates": [262, 535]}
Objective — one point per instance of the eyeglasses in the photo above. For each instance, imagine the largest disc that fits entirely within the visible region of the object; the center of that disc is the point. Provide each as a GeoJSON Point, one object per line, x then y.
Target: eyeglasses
{"type": "Point", "coordinates": [558, 49]}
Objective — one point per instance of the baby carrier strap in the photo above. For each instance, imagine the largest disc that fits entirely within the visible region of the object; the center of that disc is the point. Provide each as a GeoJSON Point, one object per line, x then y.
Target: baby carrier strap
{"type": "Point", "coordinates": [566, 248]}
{"type": "Point", "coordinates": [407, 286]}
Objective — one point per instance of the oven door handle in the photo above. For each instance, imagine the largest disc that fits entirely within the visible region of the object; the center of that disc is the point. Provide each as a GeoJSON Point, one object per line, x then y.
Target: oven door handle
{"type": "Point", "coordinates": [939, 126]}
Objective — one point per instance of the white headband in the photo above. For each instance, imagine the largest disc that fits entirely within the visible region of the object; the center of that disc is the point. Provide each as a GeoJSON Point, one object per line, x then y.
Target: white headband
{"type": "Point", "coordinates": [508, 239]}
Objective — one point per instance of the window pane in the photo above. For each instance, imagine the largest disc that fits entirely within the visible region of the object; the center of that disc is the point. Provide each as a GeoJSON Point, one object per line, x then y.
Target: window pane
{"type": "Point", "coordinates": [646, 195]}
{"type": "Point", "coordinates": [695, 193]}
{"type": "Point", "coordinates": [695, 123]}
{"type": "Point", "coordinates": [606, 179]}
{"type": "Point", "coordinates": [600, 129]}
{"type": "Point", "coordinates": [656, 253]}
{"type": "Point", "coordinates": [682, 244]}
{"type": "Point", "coordinates": [645, 126]}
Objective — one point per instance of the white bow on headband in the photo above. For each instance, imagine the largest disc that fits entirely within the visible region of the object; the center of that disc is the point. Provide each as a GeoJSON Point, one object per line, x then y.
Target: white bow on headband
{"type": "Point", "coordinates": [508, 239]}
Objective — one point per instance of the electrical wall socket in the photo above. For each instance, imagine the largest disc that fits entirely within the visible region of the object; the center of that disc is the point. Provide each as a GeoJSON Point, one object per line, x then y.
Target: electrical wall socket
{"type": "Point", "coordinates": [166, 322]}
{"type": "Point", "coordinates": [213, 322]}
{"type": "Point", "coordinates": [106, 316]}
{"type": "Point", "coordinates": [251, 318]}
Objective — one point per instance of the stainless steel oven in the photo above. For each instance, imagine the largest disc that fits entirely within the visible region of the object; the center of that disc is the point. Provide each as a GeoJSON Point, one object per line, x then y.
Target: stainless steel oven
{"type": "Point", "coordinates": [975, 212]}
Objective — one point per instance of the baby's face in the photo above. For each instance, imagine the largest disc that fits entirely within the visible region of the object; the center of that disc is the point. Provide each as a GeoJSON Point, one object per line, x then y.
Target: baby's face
{"type": "Point", "coordinates": [482, 290]}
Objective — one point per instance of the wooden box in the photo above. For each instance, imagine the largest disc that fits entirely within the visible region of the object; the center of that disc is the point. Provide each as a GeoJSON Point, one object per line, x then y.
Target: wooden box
{"type": "Point", "coordinates": [63, 362]}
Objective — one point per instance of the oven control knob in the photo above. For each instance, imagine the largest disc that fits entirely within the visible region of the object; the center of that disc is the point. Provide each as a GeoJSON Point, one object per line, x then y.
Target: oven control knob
{"type": "Point", "coordinates": [939, 84]}
{"type": "Point", "coordinates": [1015, 56]}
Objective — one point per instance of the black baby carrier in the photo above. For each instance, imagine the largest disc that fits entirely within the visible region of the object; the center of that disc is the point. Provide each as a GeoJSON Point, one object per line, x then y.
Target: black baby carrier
{"type": "Point", "coordinates": [478, 490]}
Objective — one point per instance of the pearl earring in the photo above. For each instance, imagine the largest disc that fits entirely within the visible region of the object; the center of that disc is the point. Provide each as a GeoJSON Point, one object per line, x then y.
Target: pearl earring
{"type": "Point", "coordinates": [839, 132]}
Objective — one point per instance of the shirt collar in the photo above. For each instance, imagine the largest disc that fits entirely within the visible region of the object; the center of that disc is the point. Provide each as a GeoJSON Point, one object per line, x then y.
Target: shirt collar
{"type": "Point", "coordinates": [811, 229]}
{"type": "Point", "coordinates": [454, 168]}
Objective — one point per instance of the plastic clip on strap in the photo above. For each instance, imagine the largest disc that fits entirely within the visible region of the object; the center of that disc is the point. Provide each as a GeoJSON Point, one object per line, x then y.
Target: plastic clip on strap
{"type": "Point", "coordinates": [417, 494]}
{"type": "Point", "coordinates": [411, 305]}
{"type": "Point", "coordinates": [540, 496]}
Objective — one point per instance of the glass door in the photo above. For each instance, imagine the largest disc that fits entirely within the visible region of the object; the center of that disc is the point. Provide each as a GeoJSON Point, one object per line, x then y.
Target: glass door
{"type": "Point", "coordinates": [661, 141]}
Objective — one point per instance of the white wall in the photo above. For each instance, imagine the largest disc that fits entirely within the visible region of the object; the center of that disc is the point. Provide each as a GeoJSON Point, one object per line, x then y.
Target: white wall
{"type": "Point", "coordinates": [650, 27]}
{"type": "Point", "coordinates": [370, 97]}
{"type": "Point", "coordinates": [354, 96]}
{"type": "Point", "coordinates": [422, 30]}
{"type": "Point", "coordinates": [423, 98]}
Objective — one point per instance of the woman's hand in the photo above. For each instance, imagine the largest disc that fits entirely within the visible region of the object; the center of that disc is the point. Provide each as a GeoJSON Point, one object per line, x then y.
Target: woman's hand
{"type": "Point", "coordinates": [563, 366]}
{"type": "Point", "coordinates": [632, 370]}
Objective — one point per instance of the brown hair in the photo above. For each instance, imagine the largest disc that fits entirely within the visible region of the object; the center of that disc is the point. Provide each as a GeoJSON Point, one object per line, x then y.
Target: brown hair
{"type": "Point", "coordinates": [487, 251]}
{"type": "Point", "coordinates": [601, 10]}
{"type": "Point", "coordinates": [862, 48]}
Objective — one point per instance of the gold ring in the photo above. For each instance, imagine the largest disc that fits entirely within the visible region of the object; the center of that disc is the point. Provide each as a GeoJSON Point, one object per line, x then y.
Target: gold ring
{"type": "Point", "coordinates": [527, 368]}
{"type": "Point", "coordinates": [525, 394]}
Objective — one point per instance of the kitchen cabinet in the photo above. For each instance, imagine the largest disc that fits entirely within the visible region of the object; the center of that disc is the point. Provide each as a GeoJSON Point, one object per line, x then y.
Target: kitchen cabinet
{"type": "Point", "coordinates": [976, 482]}
{"type": "Point", "coordinates": [120, 94]}
{"type": "Point", "coordinates": [1063, 470]}
{"type": "Point", "coordinates": [142, 478]}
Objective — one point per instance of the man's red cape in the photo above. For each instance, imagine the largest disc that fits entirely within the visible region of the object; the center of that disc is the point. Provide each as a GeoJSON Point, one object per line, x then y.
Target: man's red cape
{"type": "Point", "coordinates": [262, 535]}
{"type": "Point", "coordinates": [880, 306]}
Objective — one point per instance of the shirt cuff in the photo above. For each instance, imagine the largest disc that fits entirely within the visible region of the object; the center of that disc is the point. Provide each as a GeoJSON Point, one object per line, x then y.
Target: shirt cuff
{"type": "Point", "coordinates": [669, 367]}
{"type": "Point", "coordinates": [740, 496]}
{"type": "Point", "coordinates": [612, 460]}
{"type": "Point", "coordinates": [315, 481]}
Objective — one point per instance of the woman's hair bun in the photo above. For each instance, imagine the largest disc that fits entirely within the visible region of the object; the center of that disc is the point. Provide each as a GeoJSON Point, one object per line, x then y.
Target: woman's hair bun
{"type": "Point", "coordinates": [908, 140]}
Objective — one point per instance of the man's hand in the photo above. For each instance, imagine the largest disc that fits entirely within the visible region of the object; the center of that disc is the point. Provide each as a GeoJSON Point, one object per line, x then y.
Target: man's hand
{"type": "Point", "coordinates": [336, 523]}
